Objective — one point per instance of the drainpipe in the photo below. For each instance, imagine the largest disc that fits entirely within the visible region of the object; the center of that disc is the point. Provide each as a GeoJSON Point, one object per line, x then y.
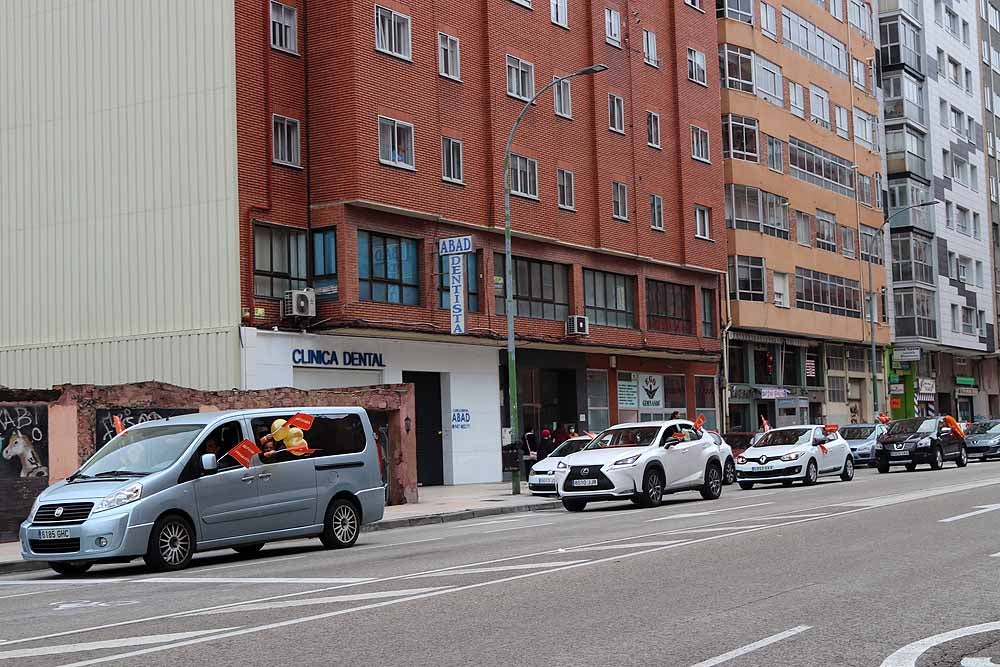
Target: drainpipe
{"type": "Point", "coordinates": [724, 380]}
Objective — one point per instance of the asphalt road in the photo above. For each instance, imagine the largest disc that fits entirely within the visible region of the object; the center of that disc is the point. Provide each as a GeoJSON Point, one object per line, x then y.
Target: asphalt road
{"type": "Point", "coordinates": [846, 574]}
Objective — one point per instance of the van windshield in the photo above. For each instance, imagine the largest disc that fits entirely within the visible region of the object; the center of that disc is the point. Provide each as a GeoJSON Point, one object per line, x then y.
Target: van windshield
{"type": "Point", "coordinates": [141, 451]}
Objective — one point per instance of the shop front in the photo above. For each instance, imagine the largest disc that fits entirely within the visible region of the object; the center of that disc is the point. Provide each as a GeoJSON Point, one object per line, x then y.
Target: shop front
{"type": "Point", "coordinates": [456, 415]}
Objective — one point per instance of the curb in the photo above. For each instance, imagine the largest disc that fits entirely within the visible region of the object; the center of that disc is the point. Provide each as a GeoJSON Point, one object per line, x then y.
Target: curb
{"type": "Point", "coordinates": [16, 566]}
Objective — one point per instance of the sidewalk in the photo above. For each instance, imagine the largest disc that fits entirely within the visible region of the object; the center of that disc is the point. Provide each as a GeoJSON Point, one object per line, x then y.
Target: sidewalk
{"type": "Point", "coordinates": [438, 504]}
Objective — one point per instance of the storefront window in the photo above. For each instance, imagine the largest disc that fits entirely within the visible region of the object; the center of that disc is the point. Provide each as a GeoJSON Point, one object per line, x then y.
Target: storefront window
{"type": "Point", "coordinates": [739, 417]}
{"type": "Point", "coordinates": [763, 366]}
{"type": "Point", "coordinates": [814, 369]}
{"type": "Point", "coordinates": [674, 395]}
{"type": "Point", "coordinates": [704, 398]}
{"type": "Point", "coordinates": [790, 372]}
{"type": "Point", "coordinates": [835, 358]}
{"type": "Point", "coordinates": [598, 418]}
{"type": "Point", "coordinates": [737, 363]}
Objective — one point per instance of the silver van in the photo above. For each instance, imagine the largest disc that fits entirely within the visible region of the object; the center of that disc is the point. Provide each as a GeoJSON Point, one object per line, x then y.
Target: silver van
{"type": "Point", "coordinates": [168, 488]}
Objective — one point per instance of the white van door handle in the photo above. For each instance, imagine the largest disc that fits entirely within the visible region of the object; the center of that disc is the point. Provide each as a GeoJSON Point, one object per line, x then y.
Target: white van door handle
{"type": "Point", "coordinates": [264, 475]}
{"type": "Point", "coordinates": [248, 479]}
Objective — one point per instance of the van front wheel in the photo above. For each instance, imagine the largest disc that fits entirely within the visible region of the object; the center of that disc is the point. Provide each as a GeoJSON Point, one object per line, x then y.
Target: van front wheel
{"type": "Point", "coordinates": [171, 544]}
{"type": "Point", "coordinates": [341, 526]}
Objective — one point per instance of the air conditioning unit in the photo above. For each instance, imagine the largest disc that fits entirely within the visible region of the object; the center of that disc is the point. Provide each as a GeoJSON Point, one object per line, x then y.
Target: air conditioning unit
{"type": "Point", "coordinates": [299, 303]}
{"type": "Point", "coordinates": [577, 325]}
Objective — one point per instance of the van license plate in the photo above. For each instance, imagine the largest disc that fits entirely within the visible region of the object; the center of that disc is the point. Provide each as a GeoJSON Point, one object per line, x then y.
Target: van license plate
{"type": "Point", "coordinates": [584, 482]}
{"type": "Point", "coordinates": [54, 534]}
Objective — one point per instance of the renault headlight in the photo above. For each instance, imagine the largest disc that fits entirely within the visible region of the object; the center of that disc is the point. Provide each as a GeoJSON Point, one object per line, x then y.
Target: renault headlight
{"type": "Point", "coordinates": [124, 496]}
{"type": "Point", "coordinates": [792, 456]}
{"type": "Point", "coordinates": [741, 460]}
{"type": "Point", "coordinates": [627, 461]}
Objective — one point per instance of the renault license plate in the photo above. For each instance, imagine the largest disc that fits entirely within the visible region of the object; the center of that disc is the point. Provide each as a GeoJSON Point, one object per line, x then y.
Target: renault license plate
{"type": "Point", "coordinates": [584, 482]}
{"type": "Point", "coordinates": [54, 534]}
{"type": "Point", "coordinates": [762, 468]}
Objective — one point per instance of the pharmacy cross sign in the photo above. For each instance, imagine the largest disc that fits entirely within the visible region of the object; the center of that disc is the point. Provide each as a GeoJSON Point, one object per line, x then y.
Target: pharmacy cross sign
{"type": "Point", "coordinates": [454, 250]}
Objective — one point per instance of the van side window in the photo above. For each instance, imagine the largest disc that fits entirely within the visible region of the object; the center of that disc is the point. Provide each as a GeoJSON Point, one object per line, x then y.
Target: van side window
{"type": "Point", "coordinates": [330, 435]}
{"type": "Point", "coordinates": [222, 439]}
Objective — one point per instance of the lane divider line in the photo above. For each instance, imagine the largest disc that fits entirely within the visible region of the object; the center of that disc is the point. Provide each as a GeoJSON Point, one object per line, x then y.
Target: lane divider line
{"type": "Point", "coordinates": [750, 648]}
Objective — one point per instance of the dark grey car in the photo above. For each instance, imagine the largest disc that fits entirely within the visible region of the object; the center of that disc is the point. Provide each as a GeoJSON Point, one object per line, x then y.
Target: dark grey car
{"type": "Point", "coordinates": [982, 439]}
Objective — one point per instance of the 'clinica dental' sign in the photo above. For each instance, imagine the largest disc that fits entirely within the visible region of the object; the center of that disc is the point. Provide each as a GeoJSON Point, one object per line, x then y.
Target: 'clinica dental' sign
{"type": "Point", "coordinates": [333, 359]}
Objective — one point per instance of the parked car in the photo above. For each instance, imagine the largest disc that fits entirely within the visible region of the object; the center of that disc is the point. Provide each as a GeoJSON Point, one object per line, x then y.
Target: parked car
{"type": "Point", "coordinates": [862, 438]}
{"type": "Point", "coordinates": [542, 476]}
{"type": "Point", "coordinates": [910, 442]}
{"type": "Point", "coordinates": [168, 488]}
{"type": "Point", "coordinates": [795, 453]}
{"type": "Point", "coordinates": [641, 462]}
{"type": "Point", "coordinates": [738, 440]}
{"type": "Point", "coordinates": [982, 439]}
{"type": "Point", "coordinates": [728, 460]}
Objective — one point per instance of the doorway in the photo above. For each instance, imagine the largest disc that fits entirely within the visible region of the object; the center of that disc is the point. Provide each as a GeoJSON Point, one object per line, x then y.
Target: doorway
{"type": "Point", "coordinates": [427, 418]}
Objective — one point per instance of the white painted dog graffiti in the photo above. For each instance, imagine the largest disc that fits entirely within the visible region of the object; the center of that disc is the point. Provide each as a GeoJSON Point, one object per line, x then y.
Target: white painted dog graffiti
{"type": "Point", "coordinates": [22, 447]}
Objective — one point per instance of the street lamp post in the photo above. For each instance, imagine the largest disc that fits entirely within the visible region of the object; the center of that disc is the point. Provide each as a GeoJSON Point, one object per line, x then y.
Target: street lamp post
{"type": "Point", "coordinates": [871, 298]}
{"type": "Point", "coordinates": [509, 269]}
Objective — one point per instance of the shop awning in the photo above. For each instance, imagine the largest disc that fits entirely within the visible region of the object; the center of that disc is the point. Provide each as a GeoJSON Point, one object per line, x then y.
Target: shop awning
{"type": "Point", "coordinates": [926, 398]}
{"type": "Point", "coordinates": [771, 340]}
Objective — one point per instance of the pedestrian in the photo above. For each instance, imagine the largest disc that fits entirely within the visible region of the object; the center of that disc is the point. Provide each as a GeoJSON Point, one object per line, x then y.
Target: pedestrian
{"type": "Point", "coordinates": [572, 432]}
{"type": "Point", "coordinates": [560, 435]}
{"type": "Point", "coordinates": [675, 415]}
{"type": "Point", "coordinates": [546, 445]}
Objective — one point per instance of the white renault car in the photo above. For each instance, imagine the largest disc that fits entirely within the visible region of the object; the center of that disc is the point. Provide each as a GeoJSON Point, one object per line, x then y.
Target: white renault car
{"type": "Point", "coordinates": [641, 462]}
{"type": "Point", "coordinates": [795, 453]}
{"type": "Point", "coordinates": [542, 476]}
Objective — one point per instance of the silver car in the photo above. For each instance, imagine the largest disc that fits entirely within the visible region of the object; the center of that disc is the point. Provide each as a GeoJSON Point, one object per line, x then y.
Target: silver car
{"type": "Point", "coordinates": [166, 489]}
{"type": "Point", "coordinates": [862, 438]}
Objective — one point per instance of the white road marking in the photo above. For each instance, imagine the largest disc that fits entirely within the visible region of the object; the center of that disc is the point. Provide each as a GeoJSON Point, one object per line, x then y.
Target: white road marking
{"type": "Point", "coordinates": [909, 654]}
{"type": "Point", "coordinates": [284, 604]}
{"type": "Point", "coordinates": [50, 582]}
{"type": "Point", "coordinates": [633, 545]}
{"type": "Point", "coordinates": [252, 580]}
{"type": "Point", "coordinates": [978, 662]}
{"type": "Point", "coordinates": [996, 555]}
{"type": "Point", "coordinates": [893, 499]}
{"type": "Point", "coordinates": [504, 530]}
{"type": "Point", "coordinates": [980, 509]}
{"type": "Point", "coordinates": [791, 516]}
{"type": "Point", "coordinates": [84, 604]}
{"type": "Point", "coordinates": [485, 523]}
{"type": "Point", "coordinates": [396, 544]}
{"type": "Point", "coordinates": [717, 529]}
{"type": "Point", "coordinates": [689, 515]}
{"type": "Point", "coordinates": [749, 648]}
{"type": "Point", "coordinates": [18, 595]}
{"type": "Point", "coordinates": [498, 568]}
{"type": "Point", "coordinates": [109, 643]}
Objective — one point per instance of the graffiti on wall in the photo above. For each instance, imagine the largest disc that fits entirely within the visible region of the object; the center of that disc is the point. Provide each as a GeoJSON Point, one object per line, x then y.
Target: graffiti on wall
{"type": "Point", "coordinates": [24, 441]}
{"type": "Point", "coordinates": [104, 427]}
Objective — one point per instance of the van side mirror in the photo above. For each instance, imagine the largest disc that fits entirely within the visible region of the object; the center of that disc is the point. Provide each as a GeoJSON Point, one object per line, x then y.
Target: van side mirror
{"type": "Point", "coordinates": [209, 464]}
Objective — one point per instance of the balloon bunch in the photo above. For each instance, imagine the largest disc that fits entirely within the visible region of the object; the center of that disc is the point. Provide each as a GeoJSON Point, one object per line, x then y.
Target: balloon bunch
{"type": "Point", "coordinates": [292, 437]}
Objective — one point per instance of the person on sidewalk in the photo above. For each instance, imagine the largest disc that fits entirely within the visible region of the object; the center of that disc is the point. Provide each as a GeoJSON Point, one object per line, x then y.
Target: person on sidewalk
{"type": "Point", "coordinates": [546, 445]}
{"type": "Point", "coordinates": [560, 436]}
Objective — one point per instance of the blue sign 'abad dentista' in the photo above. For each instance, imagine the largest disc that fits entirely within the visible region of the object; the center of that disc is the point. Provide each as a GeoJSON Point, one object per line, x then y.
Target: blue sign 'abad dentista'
{"type": "Point", "coordinates": [333, 359]}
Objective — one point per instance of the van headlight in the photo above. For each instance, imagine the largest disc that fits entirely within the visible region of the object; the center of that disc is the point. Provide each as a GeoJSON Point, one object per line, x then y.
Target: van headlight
{"type": "Point", "coordinates": [129, 494]}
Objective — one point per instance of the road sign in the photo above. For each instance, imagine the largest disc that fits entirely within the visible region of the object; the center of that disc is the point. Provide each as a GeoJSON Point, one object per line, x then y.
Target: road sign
{"type": "Point", "coordinates": [906, 354]}
{"type": "Point", "coordinates": [455, 245]}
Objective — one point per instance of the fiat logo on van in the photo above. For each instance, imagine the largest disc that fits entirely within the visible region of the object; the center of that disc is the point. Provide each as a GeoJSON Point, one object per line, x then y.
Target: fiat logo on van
{"type": "Point", "coordinates": [58, 513]}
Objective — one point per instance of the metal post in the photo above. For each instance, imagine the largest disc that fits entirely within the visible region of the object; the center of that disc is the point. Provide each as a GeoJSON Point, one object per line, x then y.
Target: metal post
{"type": "Point", "coordinates": [871, 314]}
{"type": "Point", "coordinates": [512, 407]}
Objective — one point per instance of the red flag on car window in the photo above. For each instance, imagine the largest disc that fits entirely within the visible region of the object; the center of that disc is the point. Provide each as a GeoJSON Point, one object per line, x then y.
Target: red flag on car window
{"type": "Point", "coordinates": [300, 420]}
{"type": "Point", "coordinates": [244, 452]}
{"type": "Point", "coordinates": [119, 426]}
{"type": "Point", "coordinates": [699, 422]}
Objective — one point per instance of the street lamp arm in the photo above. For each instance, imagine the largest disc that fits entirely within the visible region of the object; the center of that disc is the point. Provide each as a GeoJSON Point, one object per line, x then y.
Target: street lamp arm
{"type": "Point", "coordinates": [907, 208]}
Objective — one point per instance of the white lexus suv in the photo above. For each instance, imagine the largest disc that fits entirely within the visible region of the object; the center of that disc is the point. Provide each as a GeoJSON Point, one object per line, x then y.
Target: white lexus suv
{"type": "Point", "coordinates": [795, 453]}
{"type": "Point", "coordinates": [641, 462]}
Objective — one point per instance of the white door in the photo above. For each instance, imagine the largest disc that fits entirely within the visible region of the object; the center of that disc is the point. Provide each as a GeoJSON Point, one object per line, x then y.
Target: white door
{"type": "Point", "coordinates": [683, 457]}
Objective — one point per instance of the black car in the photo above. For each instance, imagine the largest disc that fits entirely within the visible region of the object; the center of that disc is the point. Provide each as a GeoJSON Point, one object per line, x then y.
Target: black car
{"type": "Point", "coordinates": [911, 442]}
{"type": "Point", "coordinates": [982, 439]}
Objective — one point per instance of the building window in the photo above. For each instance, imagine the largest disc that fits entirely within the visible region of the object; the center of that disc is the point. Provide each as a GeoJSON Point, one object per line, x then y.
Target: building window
{"type": "Point", "coordinates": [859, 16]}
{"type": "Point", "coordinates": [670, 307]}
{"type": "Point", "coordinates": [395, 143]}
{"type": "Point", "coordinates": [838, 389]}
{"type": "Point", "coordinates": [819, 167]}
{"type": "Point", "coordinates": [619, 201]}
{"type": "Point", "coordinates": [864, 129]}
{"type": "Point", "coordinates": [763, 365]}
{"type": "Point", "coordinates": [598, 409]}
{"type": "Point", "coordinates": [388, 269]}
{"type": "Point", "coordinates": [471, 282]}
{"type": "Point", "coordinates": [865, 189]}
{"type": "Point", "coordinates": [697, 70]}
{"type": "Point", "coordinates": [803, 229]}
{"type": "Point", "coordinates": [703, 223]}
{"type": "Point", "coordinates": [616, 114]}
{"type": "Point", "coordinates": [768, 21]}
{"type": "Point", "coordinates": [609, 298]}
{"type": "Point", "coordinates": [449, 57]}
{"type": "Point", "coordinates": [613, 27]}
{"type": "Point", "coordinates": [708, 306]}
{"type": "Point", "coordinates": [279, 259]}
{"type": "Point", "coordinates": [746, 278]}
{"type": "Point", "coordinates": [797, 99]}
{"type": "Point", "coordinates": [736, 67]}
{"type": "Point", "coordinates": [835, 358]}
{"type": "Point", "coordinates": [769, 81]}
{"type": "Point", "coordinates": [843, 131]}
{"type": "Point", "coordinates": [656, 211]}
{"type": "Point", "coordinates": [775, 215]}
{"type": "Point", "coordinates": [694, 3]}
{"type": "Point", "coordinates": [858, 70]}
{"type": "Point", "coordinates": [871, 244]}
{"type": "Point", "coordinates": [776, 155]}
{"type": "Point", "coordinates": [826, 231]}
{"type": "Point", "coordinates": [825, 293]}
{"type": "Point", "coordinates": [977, 229]}
{"type": "Point", "coordinates": [653, 129]}
{"type": "Point", "coordinates": [739, 138]}
{"type": "Point", "coordinates": [567, 195]}
{"type": "Point", "coordinates": [738, 10]}
{"type": "Point", "coordinates": [649, 48]}
{"type": "Point", "coordinates": [562, 94]}
{"type": "Point", "coordinates": [540, 289]}
{"type": "Point", "coordinates": [324, 243]}
{"type": "Point", "coordinates": [560, 13]}
{"type": "Point", "coordinates": [781, 289]}
{"type": "Point", "coordinates": [848, 242]}
{"type": "Point", "coordinates": [451, 160]}
{"type": "Point", "coordinates": [392, 34]}
{"type": "Point", "coordinates": [743, 207]}
{"type": "Point", "coordinates": [954, 318]}
{"type": "Point", "coordinates": [285, 140]}
{"type": "Point", "coordinates": [819, 106]}
{"type": "Point", "coordinates": [520, 78]}
{"type": "Point", "coordinates": [284, 30]}
{"type": "Point", "coordinates": [523, 176]}
{"type": "Point", "coordinates": [699, 144]}
{"type": "Point", "coordinates": [968, 321]}
{"type": "Point", "coordinates": [705, 401]}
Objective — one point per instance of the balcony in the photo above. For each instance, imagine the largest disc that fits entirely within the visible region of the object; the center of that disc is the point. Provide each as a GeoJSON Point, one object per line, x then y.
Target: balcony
{"type": "Point", "coordinates": [914, 218]}
{"type": "Point", "coordinates": [910, 7]}
{"type": "Point", "coordinates": [903, 109]}
{"type": "Point", "coordinates": [906, 163]}
{"type": "Point", "coordinates": [897, 54]}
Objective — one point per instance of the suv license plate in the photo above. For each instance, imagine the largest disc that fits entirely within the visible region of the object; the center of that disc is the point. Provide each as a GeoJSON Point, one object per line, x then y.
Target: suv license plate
{"type": "Point", "coordinates": [899, 453]}
{"type": "Point", "coordinates": [54, 534]}
{"type": "Point", "coordinates": [584, 482]}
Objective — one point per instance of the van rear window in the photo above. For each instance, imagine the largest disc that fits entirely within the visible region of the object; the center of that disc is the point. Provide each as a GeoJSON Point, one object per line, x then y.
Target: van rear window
{"type": "Point", "coordinates": [330, 435]}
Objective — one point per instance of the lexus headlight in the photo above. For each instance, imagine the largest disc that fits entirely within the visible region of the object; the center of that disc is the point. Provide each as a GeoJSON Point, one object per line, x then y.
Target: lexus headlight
{"type": "Point", "coordinates": [741, 460]}
{"type": "Point", "coordinates": [626, 461]}
{"type": "Point", "coordinates": [791, 456]}
{"type": "Point", "coordinates": [129, 494]}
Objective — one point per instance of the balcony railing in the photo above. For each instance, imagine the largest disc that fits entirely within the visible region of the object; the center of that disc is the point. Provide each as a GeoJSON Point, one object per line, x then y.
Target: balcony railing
{"type": "Point", "coordinates": [905, 109]}
{"type": "Point", "coordinates": [920, 218]}
{"type": "Point", "coordinates": [897, 54]}
{"type": "Point", "coordinates": [898, 163]}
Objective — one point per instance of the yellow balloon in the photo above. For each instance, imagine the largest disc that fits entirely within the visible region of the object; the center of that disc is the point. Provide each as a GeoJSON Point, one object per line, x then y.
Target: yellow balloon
{"type": "Point", "coordinates": [295, 433]}
{"type": "Point", "coordinates": [296, 446]}
{"type": "Point", "coordinates": [276, 424]}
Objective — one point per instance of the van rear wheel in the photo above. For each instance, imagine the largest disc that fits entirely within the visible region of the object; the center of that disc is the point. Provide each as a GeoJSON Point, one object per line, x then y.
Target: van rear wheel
{"type": "Point", "coordinates": [342, 525]}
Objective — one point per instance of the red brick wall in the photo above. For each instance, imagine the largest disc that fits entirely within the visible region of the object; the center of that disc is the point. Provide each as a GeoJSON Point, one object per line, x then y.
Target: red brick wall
{"type": "Point", "coordinates": [350, 84]}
